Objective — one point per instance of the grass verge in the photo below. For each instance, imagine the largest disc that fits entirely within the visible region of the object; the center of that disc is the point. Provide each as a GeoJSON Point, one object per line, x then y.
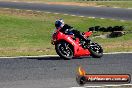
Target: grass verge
{"type": "Point", "coordinates": [29, 32]}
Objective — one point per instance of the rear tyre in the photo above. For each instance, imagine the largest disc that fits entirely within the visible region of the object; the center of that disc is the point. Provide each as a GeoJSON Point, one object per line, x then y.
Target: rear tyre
{"type": "Point", "coordinates": [96, 50]}
{"type": "Point", "coordinates": [64, 50]}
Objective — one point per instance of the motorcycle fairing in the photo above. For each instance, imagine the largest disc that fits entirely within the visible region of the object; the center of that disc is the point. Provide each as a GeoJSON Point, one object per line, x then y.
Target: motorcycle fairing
{"type": "Point", "coordinates": [78, 50]}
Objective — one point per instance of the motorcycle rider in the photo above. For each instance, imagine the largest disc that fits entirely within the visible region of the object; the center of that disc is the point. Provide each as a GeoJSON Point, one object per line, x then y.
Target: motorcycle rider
{"type": "Point", "coordinates": [67, 29]}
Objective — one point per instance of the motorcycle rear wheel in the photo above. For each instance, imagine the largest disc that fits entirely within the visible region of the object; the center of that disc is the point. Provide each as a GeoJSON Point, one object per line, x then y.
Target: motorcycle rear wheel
{"type": "Point", "coordinates": [64, 50]}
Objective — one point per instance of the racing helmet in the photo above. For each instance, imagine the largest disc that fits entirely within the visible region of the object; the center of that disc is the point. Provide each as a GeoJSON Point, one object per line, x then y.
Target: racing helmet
{"type": "Point", "coordinates": [59, 23]}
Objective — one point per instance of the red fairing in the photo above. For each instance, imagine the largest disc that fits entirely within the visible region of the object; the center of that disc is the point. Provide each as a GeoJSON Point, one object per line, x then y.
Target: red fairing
{"type": "Point", "coordinates": [87, 34]}
{"type": "Point", "coordinates": [69, 45]}
{"type": "Point", "coordinates": [78, 50]}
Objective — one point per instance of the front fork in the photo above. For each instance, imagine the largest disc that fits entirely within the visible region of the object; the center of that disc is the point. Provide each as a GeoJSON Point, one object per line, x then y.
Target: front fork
{"type": "Point", "coordinates": [86, 43]}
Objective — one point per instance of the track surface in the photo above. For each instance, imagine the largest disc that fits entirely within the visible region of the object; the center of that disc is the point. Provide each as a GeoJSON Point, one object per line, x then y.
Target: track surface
{"type": "Point", "coordinates": [105, 12]}
{"type": "Point", "coordinates": [54, 72]}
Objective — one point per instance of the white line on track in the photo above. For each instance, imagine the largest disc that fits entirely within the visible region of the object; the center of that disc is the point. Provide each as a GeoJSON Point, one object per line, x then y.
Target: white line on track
{"type": "Point", "coordinates": [91, 17]}
{"type": "Point", "coordinates": [116, 7]}
{"type": "Point", "coordinates": [81, 16]}
{"type": "Point", "coordinates": [87, 87]}
{"type": "Point", "coordinates": [122, 20]}
{"type": "Point", "coordinates": [40, 2]}
{"type": "Point", "coordinates": [119, 53]}
{"type": "Point", "coordinates": [14, 1]}
{"type": "Point", "coordinates": [102, 18]}
{"type": "Point", "coordinates": [112, 85]}
{"type": "Point", "coordinates": [76, 87]}
{"type": "Point", "coordinates": [21, 1]}
{"type": "Point", "coordinates": [129, 8]}
{"type": "Point", "coordinates": [103, 86]}
{"type": "Point", "coordinates": [32, 56]}
{"type": "Point", "coordinates": [126, 84]}
{"type": "Point", "coordinates": [65, 14]}
{"type": "Point", "coordinates": [6, 8]}
{"type": "Point", "coordinates": [73, 15]}
{"type": "Point", "coordinates": [58, 56]}
{"type": "Point", "coordinates": [92, 86]}
{"type": "Point", "coordinates": [56, 13]}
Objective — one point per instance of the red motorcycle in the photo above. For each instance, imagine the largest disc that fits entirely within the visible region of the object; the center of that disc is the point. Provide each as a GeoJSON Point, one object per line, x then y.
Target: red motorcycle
{"type": "Point", "coordinates": [69, 46]}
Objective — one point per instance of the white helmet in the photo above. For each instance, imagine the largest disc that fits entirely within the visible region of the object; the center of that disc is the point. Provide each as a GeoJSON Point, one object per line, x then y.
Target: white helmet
{"type": "Point", "coordinates": [59, 23]}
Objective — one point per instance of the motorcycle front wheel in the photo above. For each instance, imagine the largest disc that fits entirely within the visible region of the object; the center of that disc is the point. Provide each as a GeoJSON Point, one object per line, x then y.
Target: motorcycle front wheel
{"type": "Point", "coordinates": [64, 50]}
{"type": "Point", "coordinates": [96, 50]}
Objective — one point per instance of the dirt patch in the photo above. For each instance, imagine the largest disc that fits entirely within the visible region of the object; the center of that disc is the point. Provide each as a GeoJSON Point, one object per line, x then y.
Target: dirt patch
{"type": "Point", "coordinates": [126, 44]}
{"type": "Point", "coordinates": [27, 49]}
{"type": "Point", "coordinates": [74, 3]}
{"type": "Point", "coordinates": [22, 13]}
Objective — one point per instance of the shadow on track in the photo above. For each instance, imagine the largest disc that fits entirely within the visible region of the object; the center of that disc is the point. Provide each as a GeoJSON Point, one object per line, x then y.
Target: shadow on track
{"type": "Point", "coordinates": [51, 58]}
{"type": "Point", "coordinates": [45, 58]}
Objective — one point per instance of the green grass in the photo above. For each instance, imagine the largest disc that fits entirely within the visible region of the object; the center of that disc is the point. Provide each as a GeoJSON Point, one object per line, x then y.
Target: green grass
{"type": "Point", "coordinates": [29, 33]}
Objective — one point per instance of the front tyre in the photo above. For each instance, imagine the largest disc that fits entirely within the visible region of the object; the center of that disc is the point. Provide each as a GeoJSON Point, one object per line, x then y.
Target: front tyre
{"type": "Point", "coordinates": [96, 50]}
{"type": "Point", "coordinates": [64, 50]}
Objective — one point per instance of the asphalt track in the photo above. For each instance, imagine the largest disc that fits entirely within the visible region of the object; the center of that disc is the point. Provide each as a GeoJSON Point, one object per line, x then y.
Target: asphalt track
{"type": "Point", "coordinates": [101, 12]}
{"type": "Point", "coordinates": [54, 72]}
